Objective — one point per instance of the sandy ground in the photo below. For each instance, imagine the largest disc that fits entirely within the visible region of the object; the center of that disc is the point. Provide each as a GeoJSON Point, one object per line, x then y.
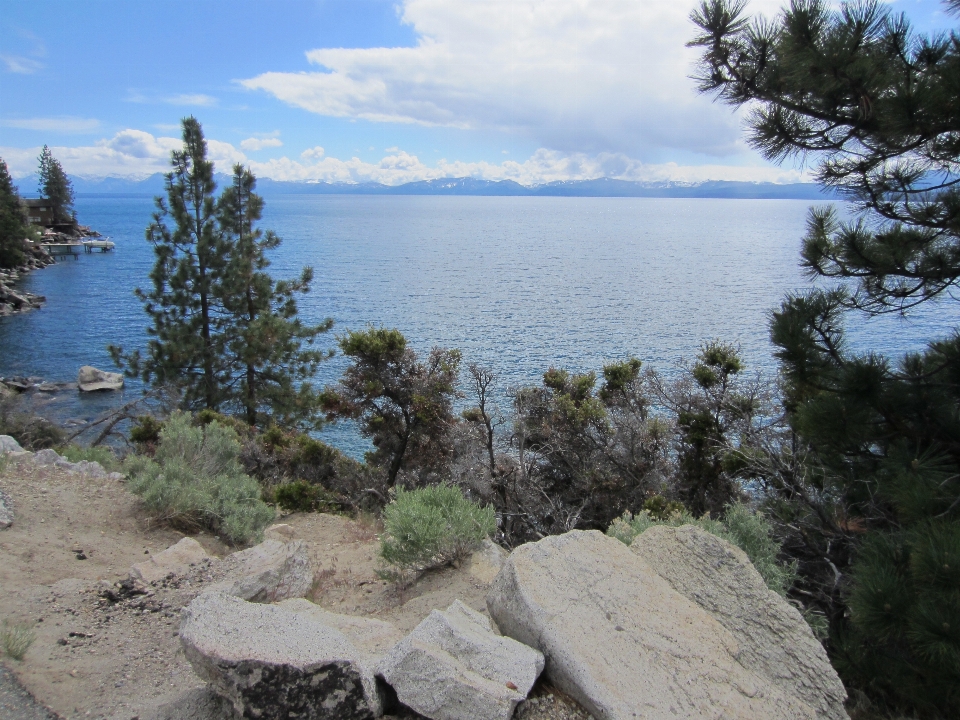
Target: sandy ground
{"type": "Point", "coordinates": [119, 657]}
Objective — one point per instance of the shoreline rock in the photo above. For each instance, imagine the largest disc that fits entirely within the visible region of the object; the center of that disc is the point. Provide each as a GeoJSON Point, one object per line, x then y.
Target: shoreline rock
{"type": "Point", "coordinates": [14, 301]}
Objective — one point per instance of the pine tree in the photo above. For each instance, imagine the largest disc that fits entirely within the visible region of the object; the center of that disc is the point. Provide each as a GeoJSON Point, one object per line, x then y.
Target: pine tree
{"type": "Point", "coordinates": [403, 404]}
{"type": "Point", "coordinates": [55, 186]}
{"type": "Point", "coordinates": [878, 109]}
{"type": "Point", "coordinates": [266, 365]}
{"type": "Point", "coordinates": [13, 222]}
{"type": "Point", "coordinates": [184, 349]}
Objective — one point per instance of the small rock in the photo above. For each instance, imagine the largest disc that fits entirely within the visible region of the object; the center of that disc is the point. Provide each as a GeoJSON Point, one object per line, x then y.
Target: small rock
{"type": "Point", "coordinates": [9, 445]}
{"type": "Point", "coordinates": [281, 532]}
{"type": "Point", "coordinates": [6, 510]}
{"type": "Point", "coordinates": [486, 562]}
{"type": "Point", "coordinates": [43, 458]}
{"type": "Point", "coordinates": [175, 559]}
{"type": "Point", "coordinates": [90, 379]}
{"type": "Point", "coordinates": [270, 663]}
{"type": "Point", "coordinates": [268, 572]}
{"type": "Point", "coordinates": [453, 667]}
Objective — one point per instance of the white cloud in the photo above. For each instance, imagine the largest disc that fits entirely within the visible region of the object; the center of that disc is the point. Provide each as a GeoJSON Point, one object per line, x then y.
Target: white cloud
{"type": "Point", "coordinates": [253, 144]}
{"type": "Point", "coordinates": [573, 75]}
{"type": "Point", "coordinates": [135, 153]}
{"type": "Point", "coordinates": [542, 167]}
{"type": "Point", "coordinates": [20, 65]}
{"type": "Point", "coordinates": [129, 153]}
{"type": "Point", "coordinates": [194, 99]}
{"type": "Point", "coordinates": [54, 124]}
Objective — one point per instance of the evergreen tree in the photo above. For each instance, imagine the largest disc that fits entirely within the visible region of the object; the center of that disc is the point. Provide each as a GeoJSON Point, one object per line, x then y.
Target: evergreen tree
{"type": "Point", "coordinates": [878, 109]}
{"type": "Point", "coordinates": [55, 186]}
{"type": "Point", "coordinates": [183, 302]}
{"type": "Point", "coordinates": [266, 365]}
{"type": "Point", "coordinates": [404, 405]}
{"type": "Point", "coordinates": [13, 222]}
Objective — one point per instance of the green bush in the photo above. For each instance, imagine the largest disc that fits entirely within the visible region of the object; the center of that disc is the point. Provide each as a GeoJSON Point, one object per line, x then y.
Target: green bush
{"type": "Point", "coordinates": [751, 532]}
{"type": "Point", "coordinates": [146, 430]}
{"type": "Point", "coordinates": [429, 528]}
{"type": "Point", "coordinates": [16, 638]}
{"type": "Point", "coordinates": [104, 456]}
{"type": "Point", "coordinates": [195, 480]}
{"type": "Point", "coordinates": [301, 496]}
{"type": "Point", "coordinates": [31, 431]}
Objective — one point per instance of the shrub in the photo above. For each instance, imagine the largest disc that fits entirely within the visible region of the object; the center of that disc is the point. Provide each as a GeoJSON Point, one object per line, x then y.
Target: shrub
{"type": "Point", "coordinates": [31, 431]}
{"type": "Point", "coordinates": [301, 496]}
{"type": "Point", "coordinates": [429, 528]}
{"type": "Point", "coordinates": [751, 532]}
{"type": "Point", "coordinates": [195, 480]}
{"type": "Point", "coordinates": [104, 456]}
{"type": "Point", "coordinates": [16, 638]}
{"type": "Point", "coordinates": [146, 430]}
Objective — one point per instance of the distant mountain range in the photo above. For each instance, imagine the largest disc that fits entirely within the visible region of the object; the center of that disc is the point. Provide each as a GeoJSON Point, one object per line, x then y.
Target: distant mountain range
{"type": "Point", "coordinates": [602, 187]}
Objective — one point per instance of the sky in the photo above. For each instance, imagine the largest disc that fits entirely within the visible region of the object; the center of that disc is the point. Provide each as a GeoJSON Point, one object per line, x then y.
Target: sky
{"type": "Point", "coordinates": [389, 91]}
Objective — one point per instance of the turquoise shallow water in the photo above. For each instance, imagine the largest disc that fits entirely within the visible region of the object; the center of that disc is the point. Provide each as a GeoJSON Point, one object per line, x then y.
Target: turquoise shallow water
{"type": "Point", "coordinates": [520, 284]}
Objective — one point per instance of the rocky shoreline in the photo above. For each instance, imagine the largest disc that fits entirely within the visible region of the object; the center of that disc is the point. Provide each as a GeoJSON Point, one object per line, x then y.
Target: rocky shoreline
{"type": "Point", "coordinates": [15, 301]}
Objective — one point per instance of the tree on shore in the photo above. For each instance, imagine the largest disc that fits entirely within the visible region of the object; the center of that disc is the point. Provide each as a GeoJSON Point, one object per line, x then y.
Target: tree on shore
{"type": "Point", "coordinates": [266, 366]}
{"type": "Point", "coordinates": [183, 349]}
{"type": "Point", "coordinates": [878, 110]}
{"type": "Point", "coordinates": [13, 221]}
{"type": "Point", "coordinates": [404, 405]}
{"type": "Point", "coordinates": [223, 330]}
{"type": "Point", "coordinates": [55, 186]}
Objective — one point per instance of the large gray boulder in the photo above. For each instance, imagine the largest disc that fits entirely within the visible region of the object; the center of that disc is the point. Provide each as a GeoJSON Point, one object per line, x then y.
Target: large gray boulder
{"type": "Point", "coordinates": [774, 640]}
{"type": "Point", "coordinates": [373, 638]}
{"type": "Point", "coordinates": [453, 667]}
{"type": "Point", "coordinates": [270, 663]}
{"type": "Point", "coordinates": [175, 560]}
{"type": "Point", "coordinates": [268, 572]}
{"type": "Point", "coordinates": [90, 379]}
{"type": "Point", "coordinates": [621, 641]}
{"type": "Point", "coordinates": [9, 445]}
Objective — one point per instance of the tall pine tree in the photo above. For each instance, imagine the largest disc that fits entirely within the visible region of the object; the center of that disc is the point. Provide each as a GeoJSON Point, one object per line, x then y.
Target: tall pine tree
{"type": "Point", "coordinates": [183, 349]}
{"type": "Point", "coordinates": [267, 367]}
{"type": "Point", "coordinates": [55, 186]}
{"type": "Point", "coordinates": [878, 109]}
{"type": "Point", "coordinates": [13, 222]}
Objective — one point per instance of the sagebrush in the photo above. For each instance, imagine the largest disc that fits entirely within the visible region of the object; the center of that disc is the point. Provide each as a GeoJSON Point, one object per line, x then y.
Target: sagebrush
{"type": "Point", "coordinates": [16, 638]}
{"type": "Point", "coordinates": [431, 527]}
{"type": "Point", "coordinates": [195, 480]}
{"type": "Point", "coordinates": [78, 453]}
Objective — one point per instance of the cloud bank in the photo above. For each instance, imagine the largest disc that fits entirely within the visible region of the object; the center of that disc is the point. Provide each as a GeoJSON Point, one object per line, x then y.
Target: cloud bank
{"type": "Point", "coordinates": [598, 76]}
{"type": "Point", "coordinates": [138, 154]}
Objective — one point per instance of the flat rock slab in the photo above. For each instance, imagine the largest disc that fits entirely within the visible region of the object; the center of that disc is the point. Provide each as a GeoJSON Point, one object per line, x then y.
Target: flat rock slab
{"type": "Point", "coordinates": [270, 663]}
{"type": "Point", "coordinates": [775, 641]}
{"type": "Point", "coordinates": [268, 572]}
{"type": "Point", "coordinates": [621, 641]}
{"type": "Point", "coordinates": [373, 638]}
{"type": "Point", "coordinates": [176, 559]}
{"type": "Point", "coordinates": [453, 667]}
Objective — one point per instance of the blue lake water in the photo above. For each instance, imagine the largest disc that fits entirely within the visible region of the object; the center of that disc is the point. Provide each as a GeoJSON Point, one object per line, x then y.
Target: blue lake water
{"type": "Point", "coordinates": [518, 284]}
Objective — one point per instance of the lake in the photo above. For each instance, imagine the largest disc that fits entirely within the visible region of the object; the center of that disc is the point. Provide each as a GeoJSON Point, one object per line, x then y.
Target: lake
{"type": "Point", "coordinates": [517, 283]}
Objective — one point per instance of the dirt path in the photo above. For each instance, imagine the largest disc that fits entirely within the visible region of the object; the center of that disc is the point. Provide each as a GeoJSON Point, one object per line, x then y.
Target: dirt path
{"type": "Point", "coordinates": [117, 658]}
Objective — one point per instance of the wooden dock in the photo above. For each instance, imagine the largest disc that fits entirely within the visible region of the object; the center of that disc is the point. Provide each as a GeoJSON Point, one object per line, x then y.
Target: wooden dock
{"type": "Point", "coordinates": [74, 248]}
